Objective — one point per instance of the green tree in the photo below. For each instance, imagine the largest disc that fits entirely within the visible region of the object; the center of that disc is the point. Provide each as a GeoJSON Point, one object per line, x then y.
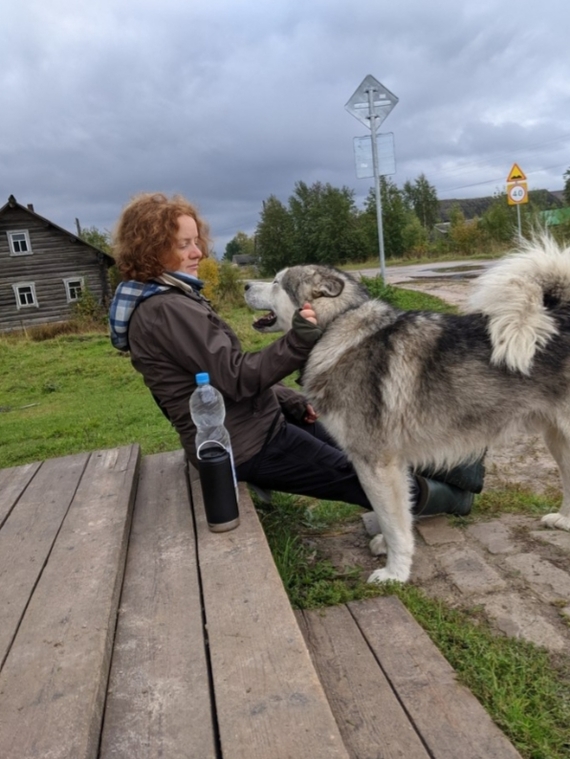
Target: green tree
{"type": "Point", "coordinates": [499, 222]}
{"type": "Point", "coordinates": [542, 200]}
{"type": "Point", "coordinates": [102, 240]}
{"type": "Point", "coordinates": [240, 245]}
{"type": "Point", "coordinates": [325, 222]}
{"type": "Point", "coordinates": [464, 234]}
{"type": "Point", "coordinates": [567, 187]}
{"type": "Point", "coordinates": [395, 217]}
{"type": "Point", "coordinates": [421, 197]}
{"type": "Point", "coordinates": [320, 225]}
{"type": "Point", "coordinates": [415, 236]}
{"type": "Point", "coordinates": [96, 237]}
{"type": "Point", "coordinates": [274, 237]}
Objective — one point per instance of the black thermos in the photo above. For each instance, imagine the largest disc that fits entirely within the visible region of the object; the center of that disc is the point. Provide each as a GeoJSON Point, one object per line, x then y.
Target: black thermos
{"type": "Point", "coordinates": [218, 488]}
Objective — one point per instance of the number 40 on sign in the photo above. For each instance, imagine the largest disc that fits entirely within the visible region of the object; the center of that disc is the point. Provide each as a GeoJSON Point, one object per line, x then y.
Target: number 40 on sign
{"type": "Point", "coordinates": [517, 193]}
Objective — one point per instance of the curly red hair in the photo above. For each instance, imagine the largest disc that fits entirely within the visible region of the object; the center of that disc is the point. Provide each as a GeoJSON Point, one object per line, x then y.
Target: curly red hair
{"type": "Point", "coordinates": [146, 233]}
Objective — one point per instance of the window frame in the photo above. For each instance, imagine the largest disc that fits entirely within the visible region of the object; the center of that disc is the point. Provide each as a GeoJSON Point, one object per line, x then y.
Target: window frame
{"type": "Point", "coordinates": [32, 285]}
{"type": "Point", "coordinates": [11, 242]}
{"type": "Point", "coordinates": [67, 283]}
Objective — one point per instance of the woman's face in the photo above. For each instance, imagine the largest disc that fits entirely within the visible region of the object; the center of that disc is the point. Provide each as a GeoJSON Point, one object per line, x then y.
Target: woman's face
{"type": "Point", "coordinates": [186, 255]}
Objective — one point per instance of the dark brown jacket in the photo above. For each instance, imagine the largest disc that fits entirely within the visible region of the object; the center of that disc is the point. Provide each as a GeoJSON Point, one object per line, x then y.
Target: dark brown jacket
{"type": "Point", "coordinates": [173, 336]}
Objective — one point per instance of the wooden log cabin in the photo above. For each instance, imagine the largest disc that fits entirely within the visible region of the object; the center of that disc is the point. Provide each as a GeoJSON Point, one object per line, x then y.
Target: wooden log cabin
{"type": "Point", "coordinates": [44, 269]}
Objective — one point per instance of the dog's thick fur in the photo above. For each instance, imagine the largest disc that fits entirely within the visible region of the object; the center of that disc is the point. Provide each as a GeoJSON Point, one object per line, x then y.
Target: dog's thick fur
{"type": "Point", "coordinates": [410, 389]}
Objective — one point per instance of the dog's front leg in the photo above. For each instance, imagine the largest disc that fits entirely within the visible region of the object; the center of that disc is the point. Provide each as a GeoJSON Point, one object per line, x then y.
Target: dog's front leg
{"type": "Point", "coordinates": [388, 491]}
{"type": "Point", "coordinates": [558, 444]}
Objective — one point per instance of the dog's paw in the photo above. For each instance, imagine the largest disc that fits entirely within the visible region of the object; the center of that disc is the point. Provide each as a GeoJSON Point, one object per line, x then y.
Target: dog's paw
{"type": "Point", "coordinates": [378, 546]}
{"type": "Point", "coordinates": [556, 521]}
{"type": "Point", "coordinates": [385, 575]}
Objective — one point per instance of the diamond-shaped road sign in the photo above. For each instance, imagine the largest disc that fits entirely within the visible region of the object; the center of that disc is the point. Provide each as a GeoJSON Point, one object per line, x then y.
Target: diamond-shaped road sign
{"type": "Point", "coordinates": [383, 101]}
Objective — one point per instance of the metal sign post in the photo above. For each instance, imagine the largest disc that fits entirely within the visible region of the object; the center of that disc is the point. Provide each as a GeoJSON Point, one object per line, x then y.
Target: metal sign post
{"type": "Point", "coordinates": [371, 104]}
{"type": "Point", "coordinates": [377, 183]}
{"type": "Point", "coordinates": [517, 191]}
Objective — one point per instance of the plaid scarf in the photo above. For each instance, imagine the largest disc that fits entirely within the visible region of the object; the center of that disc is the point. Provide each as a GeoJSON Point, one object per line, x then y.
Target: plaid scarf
{"type": "Point", "coordinates": [129, 295]}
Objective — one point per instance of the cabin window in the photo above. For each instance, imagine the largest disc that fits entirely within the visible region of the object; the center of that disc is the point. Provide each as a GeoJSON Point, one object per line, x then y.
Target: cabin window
{"type": "Point", "coordinates": [25, 293]}
{"type": "Point", "coordinates": [19, 240]}
{"type": "Point", "coordinates": [73, 289]}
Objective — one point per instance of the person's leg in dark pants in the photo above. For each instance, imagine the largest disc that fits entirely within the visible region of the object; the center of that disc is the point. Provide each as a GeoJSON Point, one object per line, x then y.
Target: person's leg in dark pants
{"type": "Point", "coordinates": [303, 460]}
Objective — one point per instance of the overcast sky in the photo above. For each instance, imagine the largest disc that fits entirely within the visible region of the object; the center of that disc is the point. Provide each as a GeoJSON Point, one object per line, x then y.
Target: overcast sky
{"type": "Point", "coordinates": [230, 101]}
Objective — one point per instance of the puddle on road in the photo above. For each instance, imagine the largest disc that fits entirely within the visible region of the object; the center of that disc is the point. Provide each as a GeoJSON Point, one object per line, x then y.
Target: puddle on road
{"type": "Point", "coordinates": [448, 274]}
{"type": "Point", "coordinates": [464, 268]}
{"type": "Point", "coordinates": [443, 277]}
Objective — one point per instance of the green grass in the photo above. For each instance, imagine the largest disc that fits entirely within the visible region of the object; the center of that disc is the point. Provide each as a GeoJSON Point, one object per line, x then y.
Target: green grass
{"type": "Point", "coordinates": [374, 263]}
{"type": "Point", "coordinates": [406, 300]}
{"type": "Point", "coordinates": [77, 393]}
{"type": "Point", "coordinates": [517, 500]}
{"type": "Point", "coordinates": [73, 394]}
{"type": "Point", "coordinates": [310, 580]}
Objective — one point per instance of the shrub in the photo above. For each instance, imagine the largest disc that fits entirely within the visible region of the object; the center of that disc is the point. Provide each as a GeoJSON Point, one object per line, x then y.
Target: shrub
{"type": "Point", "coordinates": [209, 273]}
{"type": "Point", "coordinates": [41, 332]}
{"type": "Point", "coordinates": [223, 285]}
{"type": "Point", "coordinates": [88, 313]}
{"type": "Point", "coordinates": [230, 286]}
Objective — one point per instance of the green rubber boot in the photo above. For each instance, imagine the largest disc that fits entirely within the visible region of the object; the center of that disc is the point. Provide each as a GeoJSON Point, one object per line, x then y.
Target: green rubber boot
{"type": "Point", "coordinates": [440, 498]}
{"type": "Point", "coordinates": [466, 476]}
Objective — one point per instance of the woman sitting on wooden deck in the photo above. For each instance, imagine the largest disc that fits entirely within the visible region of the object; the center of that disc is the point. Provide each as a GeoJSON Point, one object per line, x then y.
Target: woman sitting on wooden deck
{"type": "Point", "coordinates": [173, 333]}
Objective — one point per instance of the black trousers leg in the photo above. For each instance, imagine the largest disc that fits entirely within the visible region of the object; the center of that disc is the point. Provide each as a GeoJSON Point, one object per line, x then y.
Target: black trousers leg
{"type": "Point", "coordinates": [304, 460]}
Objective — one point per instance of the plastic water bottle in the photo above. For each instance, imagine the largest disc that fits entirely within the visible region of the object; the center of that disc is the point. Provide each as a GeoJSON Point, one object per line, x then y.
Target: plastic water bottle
{"type": "Point", "coordinates": [215, 458]}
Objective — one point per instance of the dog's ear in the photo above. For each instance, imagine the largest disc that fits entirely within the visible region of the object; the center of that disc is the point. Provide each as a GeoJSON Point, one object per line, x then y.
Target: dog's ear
{"type": "Point", "coordinates": [329, 287]}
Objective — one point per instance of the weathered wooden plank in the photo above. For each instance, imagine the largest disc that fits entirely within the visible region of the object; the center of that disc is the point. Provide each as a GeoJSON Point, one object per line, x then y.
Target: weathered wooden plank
{"type": "Point", "coordinates": [269, 700]}
{"type": "Point", "coordinates": [158, 700]}
{"type": "Point", "coordinates": [370, 717]}
{"type": "Point", "coordinates": [27, 537]}
{"type": "Point", "coordinates": [449, 718]}
{"type": "Point", "coordinates": [13, 482]}
{"type": "Point", "coordinates": [53, 683]}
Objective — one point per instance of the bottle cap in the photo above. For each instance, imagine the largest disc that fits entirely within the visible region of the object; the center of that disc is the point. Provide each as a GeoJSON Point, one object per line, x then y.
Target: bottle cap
{"type": "Point", "coordinates": [203, 378]}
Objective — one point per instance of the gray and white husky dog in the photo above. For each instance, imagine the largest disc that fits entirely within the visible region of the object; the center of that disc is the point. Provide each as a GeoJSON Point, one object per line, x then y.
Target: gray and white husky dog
{"type": "Point", "coordinates": [405, 389]}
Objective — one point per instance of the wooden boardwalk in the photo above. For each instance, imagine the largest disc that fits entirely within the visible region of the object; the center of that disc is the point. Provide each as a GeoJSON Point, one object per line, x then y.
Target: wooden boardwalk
{"type": "Point", "coordinates": [128, 629]}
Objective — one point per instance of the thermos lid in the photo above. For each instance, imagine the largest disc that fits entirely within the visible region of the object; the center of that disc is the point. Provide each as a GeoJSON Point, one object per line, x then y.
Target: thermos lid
{"type": "Point", "coordinates": [211, 450]}
{"type": "Point", "coordinates": [203, 378]}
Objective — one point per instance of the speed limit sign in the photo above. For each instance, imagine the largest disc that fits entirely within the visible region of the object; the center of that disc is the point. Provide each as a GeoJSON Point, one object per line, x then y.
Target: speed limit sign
{"type": "Point", "coordinates": [517, 193]}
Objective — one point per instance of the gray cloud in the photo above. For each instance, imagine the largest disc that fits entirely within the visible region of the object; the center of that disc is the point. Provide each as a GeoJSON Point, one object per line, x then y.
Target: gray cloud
{"type": "Point", "coordinates": [232, 101]}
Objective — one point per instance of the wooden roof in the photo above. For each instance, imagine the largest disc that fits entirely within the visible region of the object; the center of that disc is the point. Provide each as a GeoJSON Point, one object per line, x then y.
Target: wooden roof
{"type": "Point", "coordinates": [13, 203]}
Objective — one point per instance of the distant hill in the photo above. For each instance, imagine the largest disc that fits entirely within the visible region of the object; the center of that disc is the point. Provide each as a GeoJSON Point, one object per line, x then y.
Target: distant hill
{"type": "Point", "coordinates": [471, 207]}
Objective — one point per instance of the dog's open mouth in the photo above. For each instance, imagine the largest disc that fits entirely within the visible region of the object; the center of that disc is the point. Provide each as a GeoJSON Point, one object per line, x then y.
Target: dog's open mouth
{"type": "Point", "coordinates": [268, 320]}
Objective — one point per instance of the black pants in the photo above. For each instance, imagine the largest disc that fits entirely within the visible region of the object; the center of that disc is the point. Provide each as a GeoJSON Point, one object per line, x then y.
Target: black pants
{"type": "Point", "coordinates": [304, 460]}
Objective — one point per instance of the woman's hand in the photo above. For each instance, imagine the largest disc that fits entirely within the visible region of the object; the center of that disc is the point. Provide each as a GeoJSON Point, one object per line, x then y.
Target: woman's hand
{"type": "Point", "coordinates": [311, 415]}
{"type": "Point", "coordinates": [308, 313]}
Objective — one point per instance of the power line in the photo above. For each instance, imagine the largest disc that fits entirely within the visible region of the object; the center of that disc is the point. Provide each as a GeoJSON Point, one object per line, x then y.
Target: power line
{"type": "Point", "coordinates": [461, 167]}
{"type": "Point", "coordinates": [502, 180]}
{"type": "Point", "coordinates": [514, 151]}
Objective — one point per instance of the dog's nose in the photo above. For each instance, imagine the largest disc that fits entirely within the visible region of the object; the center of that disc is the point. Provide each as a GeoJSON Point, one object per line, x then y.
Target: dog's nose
{"type": "Point", "coordinates": [246, 286]}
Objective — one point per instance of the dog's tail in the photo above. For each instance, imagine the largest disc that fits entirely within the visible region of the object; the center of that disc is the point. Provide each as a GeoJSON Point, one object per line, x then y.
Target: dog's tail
{"type": "Point", "coordinates": [517, 295]}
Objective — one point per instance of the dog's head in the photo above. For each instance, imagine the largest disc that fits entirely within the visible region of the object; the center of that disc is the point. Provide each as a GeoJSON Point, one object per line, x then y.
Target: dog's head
{"type": "Point", "coordinates": [328, 290]}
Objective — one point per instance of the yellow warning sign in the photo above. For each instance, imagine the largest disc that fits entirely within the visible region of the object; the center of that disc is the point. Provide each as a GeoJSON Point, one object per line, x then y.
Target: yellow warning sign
{"type": "Point", "coordinates": [517, 174]}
